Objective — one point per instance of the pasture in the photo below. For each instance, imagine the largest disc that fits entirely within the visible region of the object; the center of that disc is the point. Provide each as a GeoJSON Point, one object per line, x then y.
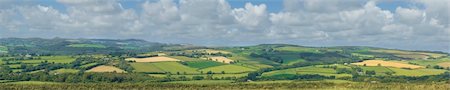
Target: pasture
{"type": "Point", "coordinates": [161, 67]}
{"type": "Point", "coordinates": [50, 59]}
{"type": "Point", "coordinates": [104, 68]}
{"type": "Point", "coordinates": [416, 72]}
{"type": "Point", "coordinates": [152, 59]}
{"type": "Point", "coordinates": [203, 64]}
{"type": "Point", "coordinates": [220, 59]}
{"type": "Point", "coordinates": [387, 64]}
{"type": "Point", "coordinates": [410, 54]}
{"type": "Point", "coordinates": [307, 70]}
{"type": "Point", "coordinates": [227, 69]}
{"type": "Point", "coordinates": [59, 71]}
{"type": "Point", "coordinates": [184, 58]}
{"type": "Point", "coordinates": [3, 49]}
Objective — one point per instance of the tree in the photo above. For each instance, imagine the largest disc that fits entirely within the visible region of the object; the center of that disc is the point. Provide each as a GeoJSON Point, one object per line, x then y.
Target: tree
{"type": "Point", "coordinates": [223, 72]}
{"type": "Point", "coordinates": [370, 73]}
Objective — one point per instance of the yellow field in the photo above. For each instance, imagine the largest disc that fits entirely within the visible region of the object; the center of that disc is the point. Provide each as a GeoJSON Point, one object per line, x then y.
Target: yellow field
{"type": "Point", "coordinates": [387, 64]}
{"type": "Point", "coordinates": [104, 68]}
{"type": "Point", "coordinates": [152, 59]}
{"type": "Point", "coordinates": [444, 64]}
{"type": "Point", "coordinates": [220, 59]}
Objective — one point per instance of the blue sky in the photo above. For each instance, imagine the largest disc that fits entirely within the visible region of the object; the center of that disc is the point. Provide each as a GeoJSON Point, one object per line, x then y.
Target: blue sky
{"type": "Point", "coordinates": [402, 24]}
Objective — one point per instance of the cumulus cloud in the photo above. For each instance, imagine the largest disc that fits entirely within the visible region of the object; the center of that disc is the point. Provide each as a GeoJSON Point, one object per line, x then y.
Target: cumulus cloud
{"type": "Point", "coordinates": [215, 22]}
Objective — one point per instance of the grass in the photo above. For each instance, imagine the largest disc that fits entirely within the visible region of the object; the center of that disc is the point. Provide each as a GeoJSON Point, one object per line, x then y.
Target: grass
{"type": "Point", "coordinates": [378, 70]}
{"type": "Point", "coordinates": [3, 49]}
{"type": "Point", "coordinates": [296, 49]}
{"type": "Point", "coordinates": [32, 82]}
{"type": "Point", "coordinates": [59, 71]}
{"type": "Point", "coordinates": [183, 58]}
{"type": "Point", "coordinates": [307, 70]}
{"type": "Point", "coordinates": [172, 67]}
{"type": "Point", "coordinates": [203, 64]}
{"type": "Point", "coordinates": [88, 65]}
{"type": "Point", "coordinates": [87, 46]}
{"type": "Point", "coordinates": [203, 82]}
{"type": "Point", "coordinates": [50, 59]}
{"type": "Point", "coordinates": [204, 75]}
{"type": "Point", "coordinates": [227, 69]}
{"type": "Point", "coordinates": [417, 72]}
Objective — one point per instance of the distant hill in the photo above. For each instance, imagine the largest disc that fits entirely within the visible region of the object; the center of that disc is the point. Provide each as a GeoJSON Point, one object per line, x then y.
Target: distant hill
{"type": "Point", "coordinates": [77, 46]}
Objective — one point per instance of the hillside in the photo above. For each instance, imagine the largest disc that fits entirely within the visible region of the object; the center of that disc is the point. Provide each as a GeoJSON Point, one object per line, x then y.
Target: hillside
{"type": "Point", "coordinates": [104, 60]}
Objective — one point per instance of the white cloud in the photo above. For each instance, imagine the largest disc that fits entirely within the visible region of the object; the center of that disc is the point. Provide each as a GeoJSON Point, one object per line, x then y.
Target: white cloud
{"type": "Point", "coordinates": [215, 22]}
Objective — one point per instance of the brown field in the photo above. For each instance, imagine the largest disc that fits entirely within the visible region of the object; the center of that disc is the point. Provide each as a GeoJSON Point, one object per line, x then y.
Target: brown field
{"type": "Point", "coordinates": [104, 68]}
{"type": "Point", "coordinates": [152, 59]}
{"type": "Point", "coordinates": [220, 59]}
{"type": "Point", "coordinates": [444, 64]}
{"type": "Point", "coordinates": [387, 64]}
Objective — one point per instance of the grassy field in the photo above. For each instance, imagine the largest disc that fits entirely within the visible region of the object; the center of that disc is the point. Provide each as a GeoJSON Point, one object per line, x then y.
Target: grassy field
{"type": "Point", "coordinates": [152, 59]}
{"type": "Point", "coordinates": [378, 69]}
{"type": "Point", "coordinates": [220, 59]}
{"type": "Point", "coordinates": [444, 64]}
{"type": "Point", "coordinates": [387, 64]}
{"type": "Point", "coordinates": [428, 62]}
{"type": "Point", "coordinates": [3, 49]}
{"type": "Point", "coordinates": [87, 46]}
{"type": "Point", "coordinates": [183, 58]}
{"type": "Point", "coordinates": [227, 69]}
{"type": "Point", "coordinates": [88, 65]}
{"type": "Point", "coordinates": [32, 82]}
{"type": "Point", "coordinates": [172, 67]}
{"type": "Point", "coordinates": [50, 59]}
{"type": "Point", "coordinates": [59, 71]}
{"type": "Point", "coordinates": [203, 82]}
{"type": "Point", "coordinates": [307, 70]}
{"type": "Point", "coordinates": [296, 49]}
{"type": "Point", "coordinates": [204, 75]}
{"type": "Point", "coordinates": [416, 72]}
{"type": "Point", "coordinates": [104, 68]}
{"type": "Point", "coordinates": [203, 64]}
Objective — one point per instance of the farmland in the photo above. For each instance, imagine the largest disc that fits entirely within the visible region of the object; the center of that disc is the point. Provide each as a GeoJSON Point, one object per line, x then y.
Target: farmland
{"type": "Point", "coordinates": [152, 59]}
{"type": "Point", "coordinates": [203, 64]}
{"type": "Point", "coordinates": [220, 59]}
{"type": "Point", "coordinates": [266, 64]}
{"type": "Point", "coordinates": [106, 69]}
{"type": "Point", "coordinates": [161, 67]}
{"type": "Point", "coordinates": [228, 69]}
{"type": "Point", "coordinates": [387, 64]}
{"type": "Point", "coordinates": [3, 49]}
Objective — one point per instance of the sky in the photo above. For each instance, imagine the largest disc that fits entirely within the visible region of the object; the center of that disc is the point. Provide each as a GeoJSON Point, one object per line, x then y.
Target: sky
{"type": "Point", "coordinates": [396, 24]}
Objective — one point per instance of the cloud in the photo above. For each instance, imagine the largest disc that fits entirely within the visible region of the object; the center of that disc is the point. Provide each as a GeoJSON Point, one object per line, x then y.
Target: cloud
{"type": "Point", "coordinates": [215, 22]}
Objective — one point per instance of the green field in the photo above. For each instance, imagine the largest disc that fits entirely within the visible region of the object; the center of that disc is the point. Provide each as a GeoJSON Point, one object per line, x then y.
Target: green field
{"type": "Point", "coordinates": [87, 46]}
{"type": "Point", "coordinates": [32, 82]}
{"type": "Point", "coordinates": [378, 70]}
{"type": "Point", "coordinates": [172, 67]}
{"type": "Point", "coordinates": [296, 49]}
{"type": "Point", "coordinates": [59, 71]}
{"type": "Point", "coordinates": [203, 82]}
{"type": "Point", "coordinates": [183, 58]}
{"type": "Point", "coordinates": [3, 49]}
{"type": "Point", "coordinates": [203, 64]}
{"type": "Point", "coordinates": [417, 72]}
{"type": "Point", "coordinates": [228, 69]}
{"type": "Point", "coordinates": [88, 65]}
{"type": "Point", "coordinates": [307, 70]}
{"type": "Point", "coordinates": [50, 59]}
